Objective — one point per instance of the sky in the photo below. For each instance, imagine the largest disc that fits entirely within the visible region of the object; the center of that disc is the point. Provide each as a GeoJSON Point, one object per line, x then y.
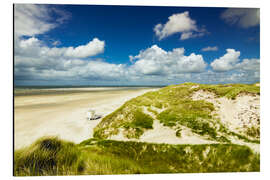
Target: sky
{"type": "Point", "coordinates": [134, 45]}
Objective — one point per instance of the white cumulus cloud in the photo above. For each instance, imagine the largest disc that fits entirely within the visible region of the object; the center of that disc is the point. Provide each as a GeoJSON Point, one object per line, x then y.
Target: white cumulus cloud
{"type": "Point", "coordinates": [92, 48]}
{"type": "Point", "coordinates": [179, 23]}
{"type": "Point", "coordinates": [226, 62]}
{"type": "Point", "coordinates": [156, 61]}
{"type": "Point", "coordinates": [32, 47]}
{"type": "Point", "coordinates": [249, 65]}
{"type": "Point", "coordinates": [231, 61]}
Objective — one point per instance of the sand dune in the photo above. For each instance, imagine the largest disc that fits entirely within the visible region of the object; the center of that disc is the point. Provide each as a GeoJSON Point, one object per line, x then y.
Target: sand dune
{"type": "Point", "coordinates": [64, 115]}
{"type": "Point", "coordinates": [237, 115]}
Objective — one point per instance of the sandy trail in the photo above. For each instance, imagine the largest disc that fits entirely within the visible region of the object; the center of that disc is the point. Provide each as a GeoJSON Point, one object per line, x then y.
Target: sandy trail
{"type": "Point", "coordinates": [164, 134]}
{"type": "Point", "coordinates": [64, 115]}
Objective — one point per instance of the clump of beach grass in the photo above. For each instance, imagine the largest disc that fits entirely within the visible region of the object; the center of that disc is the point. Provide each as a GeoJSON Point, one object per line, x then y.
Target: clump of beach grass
{"type": "Point", "coordinates": [48, 156]}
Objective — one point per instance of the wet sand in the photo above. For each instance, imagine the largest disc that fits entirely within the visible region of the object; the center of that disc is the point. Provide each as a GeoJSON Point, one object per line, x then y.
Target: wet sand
{"type": "Point", "coordinates": [64, 114]}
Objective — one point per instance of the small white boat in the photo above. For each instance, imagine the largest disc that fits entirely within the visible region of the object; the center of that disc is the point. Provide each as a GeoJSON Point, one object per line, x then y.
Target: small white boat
{"type": "Point", "coordinates": [90, 115]}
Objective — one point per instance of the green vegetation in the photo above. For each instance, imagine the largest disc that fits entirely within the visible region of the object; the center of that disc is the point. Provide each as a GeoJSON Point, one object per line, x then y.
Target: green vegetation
{"type": "Point", "coordinates": [51, 156]}
{"type": "Point", "coordinates": [253, 132]}
{"type": "Point", "coordinates": [141, 121]}
{"type": "Point", "coordinates": [48, 156]}
{"type": "Point", "coordinates": [192, 114]}
{"type": "Point", "coordinates": [231, 90]}
{"type": "Point", "coordinates": [133, 121]}
{"type": "Point", "coordinates": [178, 132]}
{"type": "Point", "coordinates": [173, 107]}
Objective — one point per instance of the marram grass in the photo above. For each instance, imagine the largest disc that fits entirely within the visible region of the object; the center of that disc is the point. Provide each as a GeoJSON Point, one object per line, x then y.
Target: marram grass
{"type": "Point", "coordinates": [51, 156]}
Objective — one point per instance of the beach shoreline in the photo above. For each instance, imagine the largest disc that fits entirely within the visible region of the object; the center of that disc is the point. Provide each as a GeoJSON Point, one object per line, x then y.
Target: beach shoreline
{"type": "Point", "coordinates": [64, 115]}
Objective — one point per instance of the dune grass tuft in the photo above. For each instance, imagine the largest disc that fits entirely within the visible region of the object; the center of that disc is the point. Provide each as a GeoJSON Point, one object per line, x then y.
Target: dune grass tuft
{"type": "Point", "coordinates": [48, 156]}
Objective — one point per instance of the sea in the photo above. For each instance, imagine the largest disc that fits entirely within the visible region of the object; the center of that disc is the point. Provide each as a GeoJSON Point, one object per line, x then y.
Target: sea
{"type": "Point", "coordinates": [46, 90]}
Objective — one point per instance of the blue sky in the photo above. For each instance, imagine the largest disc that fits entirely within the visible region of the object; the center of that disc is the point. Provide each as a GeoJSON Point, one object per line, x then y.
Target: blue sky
{"type": "Point", "coordinates": [135, 45]}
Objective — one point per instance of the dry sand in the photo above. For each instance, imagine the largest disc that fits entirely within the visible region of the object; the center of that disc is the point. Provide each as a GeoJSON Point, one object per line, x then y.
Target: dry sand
{"type": "Point", "coordinates": [236, 115]}
{"type": "Point", "coordinates": [243, 112]}
{"type": "Point", "coordinates": [164, 134]}
{"type": "Point", "coordinates": [64, 115]}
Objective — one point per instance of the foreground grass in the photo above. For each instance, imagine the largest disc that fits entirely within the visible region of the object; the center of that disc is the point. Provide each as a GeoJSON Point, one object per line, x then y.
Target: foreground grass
{"type": "Point", "coordinates": [51, 156]}
{"type": "Point", "coordinates": [48, 156]}
{"type": "Point", "coordinates": [174, 107]}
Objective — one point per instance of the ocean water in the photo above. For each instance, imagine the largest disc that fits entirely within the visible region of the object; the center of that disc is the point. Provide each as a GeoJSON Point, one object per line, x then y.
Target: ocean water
{"type": "Point", "coordinates": [54, 90]}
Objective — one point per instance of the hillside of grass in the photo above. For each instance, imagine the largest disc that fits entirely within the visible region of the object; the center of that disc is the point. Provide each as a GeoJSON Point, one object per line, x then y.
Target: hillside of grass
{"type": "Point", "coordinates": [51, 156]}
{"type": "Point", "coordinates": [173, 107]}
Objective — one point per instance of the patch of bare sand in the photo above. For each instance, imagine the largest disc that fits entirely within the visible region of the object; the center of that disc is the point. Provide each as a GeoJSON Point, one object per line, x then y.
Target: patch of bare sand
{"type": "Point", "coordinates": [243, 112]}
{"type": "Point", "coordinates": [205, 95]}
{"type": "Point", "coordinates": [64, 115]}
{"type": "Point", "coordinates": [164, 134]}
{"type": "Point", "coordinates": [237, 115]}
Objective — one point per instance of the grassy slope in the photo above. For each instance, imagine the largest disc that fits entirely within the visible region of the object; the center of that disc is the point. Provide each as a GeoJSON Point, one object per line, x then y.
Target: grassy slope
{"type": "Point", "coordinates": [178, 110]}
{"type": "Point", "coordinates": [51, 156]}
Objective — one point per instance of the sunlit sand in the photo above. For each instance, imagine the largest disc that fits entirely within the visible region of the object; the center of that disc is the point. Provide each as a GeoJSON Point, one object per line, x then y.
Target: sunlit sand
{"type": "Point", "coordinates": [64, 115]}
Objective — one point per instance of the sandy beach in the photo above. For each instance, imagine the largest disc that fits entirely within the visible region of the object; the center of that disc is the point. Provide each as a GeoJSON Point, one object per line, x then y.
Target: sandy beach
{"type": "Point", "coordinates": [64, 114]}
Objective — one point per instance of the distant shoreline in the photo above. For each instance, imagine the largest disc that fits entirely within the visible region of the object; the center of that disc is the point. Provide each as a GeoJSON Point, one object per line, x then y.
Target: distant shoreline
{"type": "Point", "coordinates": [30, 91]}
{"type": "Point", "coordinates": [86, 86]}
{"type": "Point", "coordinates": [108, 86]}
